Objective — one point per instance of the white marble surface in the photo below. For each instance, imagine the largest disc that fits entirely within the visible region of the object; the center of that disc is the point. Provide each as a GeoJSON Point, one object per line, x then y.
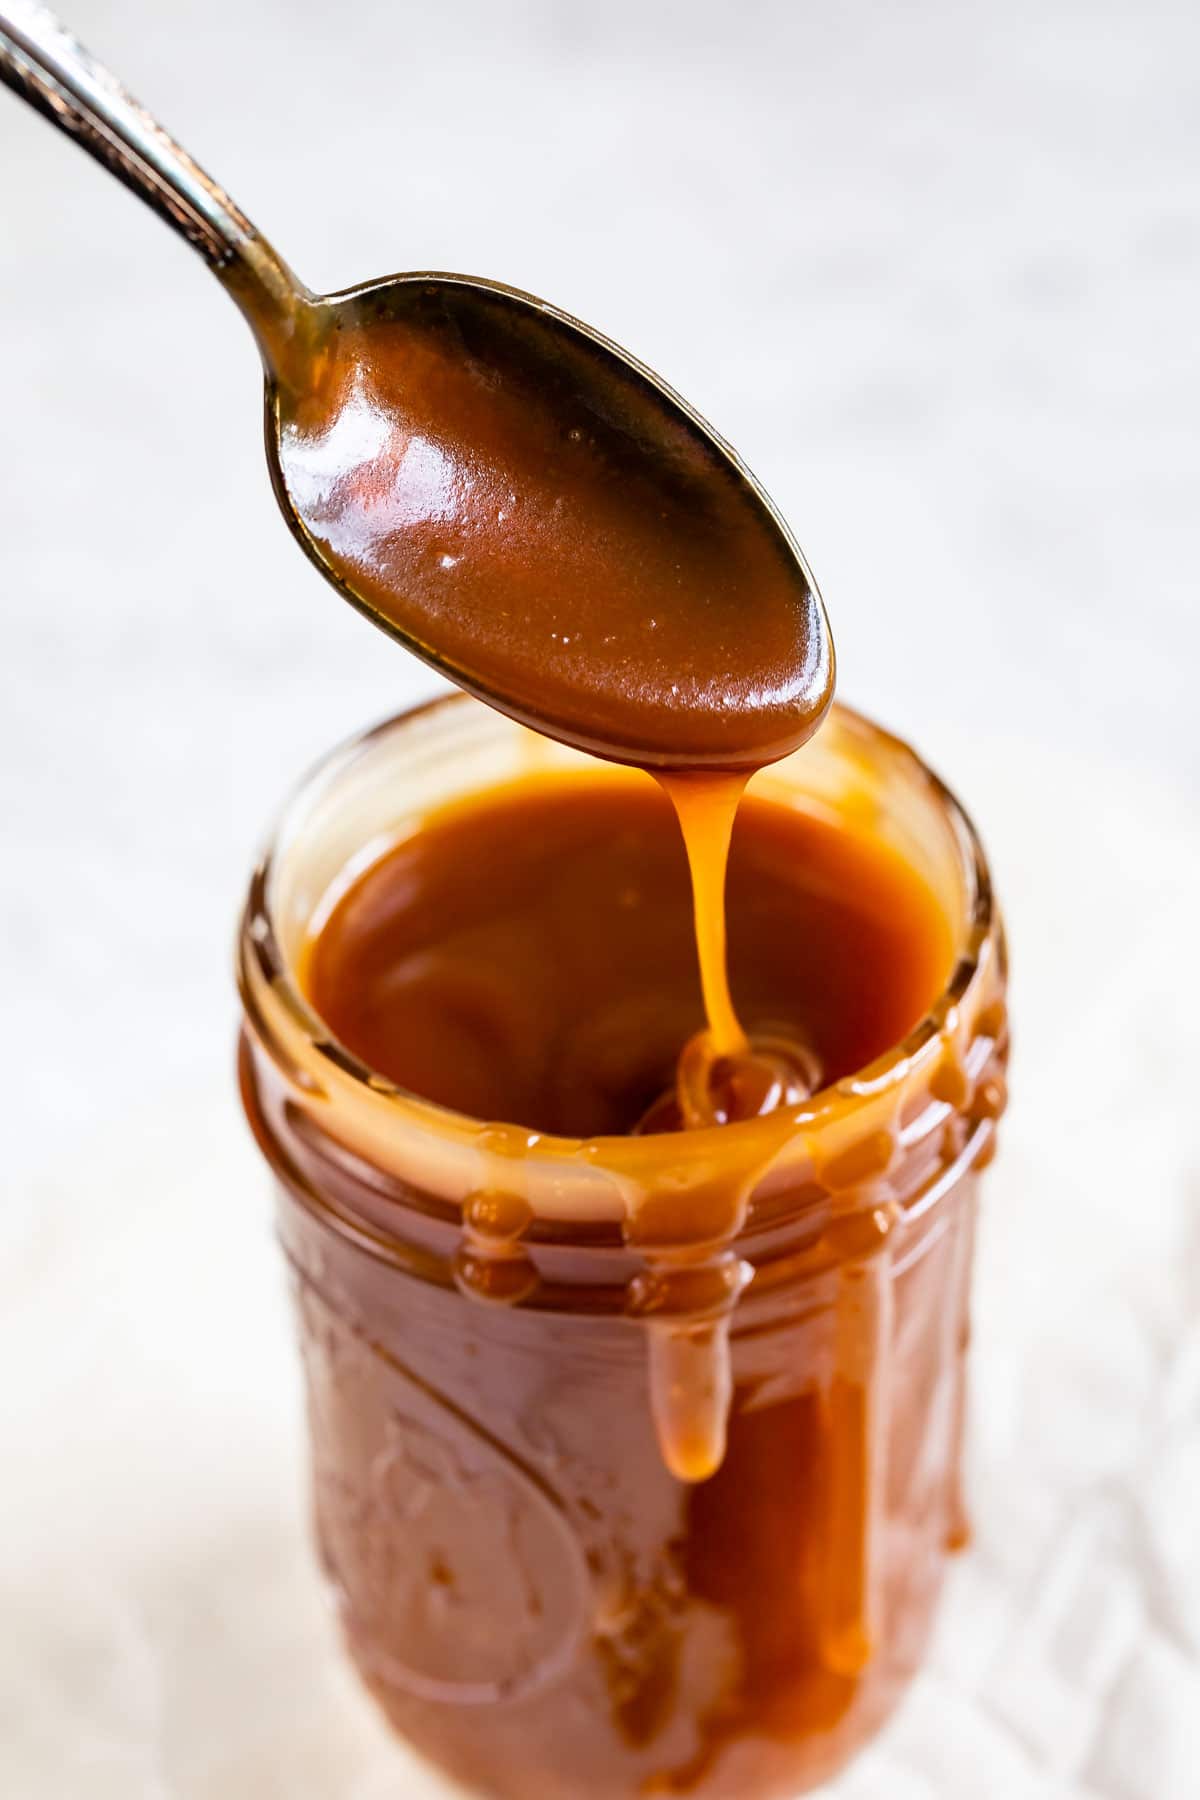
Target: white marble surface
{"type": "Point", "coordinates": [934, 270]}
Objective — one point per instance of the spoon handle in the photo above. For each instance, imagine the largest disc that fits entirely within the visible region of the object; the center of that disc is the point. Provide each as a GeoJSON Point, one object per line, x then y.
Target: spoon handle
{"type": "Point", "coordinates": [45, 65]}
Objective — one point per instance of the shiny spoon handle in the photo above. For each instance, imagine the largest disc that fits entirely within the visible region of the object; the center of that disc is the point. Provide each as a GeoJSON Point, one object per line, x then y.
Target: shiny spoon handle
{"type": "Point", "coordinates": [45, 65]}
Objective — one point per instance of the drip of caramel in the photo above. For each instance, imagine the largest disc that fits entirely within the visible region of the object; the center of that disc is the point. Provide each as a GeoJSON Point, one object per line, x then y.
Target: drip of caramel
{"type": "Point", "coordinates": [530, 956]}
{"type": "Point", "coordinates": [527, 956]}
{"type": "Point", "coordinates": [706, 806]}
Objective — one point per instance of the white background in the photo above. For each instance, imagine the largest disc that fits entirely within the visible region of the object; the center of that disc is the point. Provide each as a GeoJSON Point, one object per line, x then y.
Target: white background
{"type": "Point", "coordinates": [933, 268]}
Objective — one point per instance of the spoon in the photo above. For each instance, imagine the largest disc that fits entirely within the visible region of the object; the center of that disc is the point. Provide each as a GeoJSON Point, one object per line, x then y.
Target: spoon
{"type": "Point", "coordinates": [508, 493]}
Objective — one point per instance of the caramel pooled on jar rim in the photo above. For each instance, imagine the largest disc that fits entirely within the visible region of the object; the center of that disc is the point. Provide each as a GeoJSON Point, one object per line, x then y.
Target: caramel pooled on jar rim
{"type": "Point", "coordinates": [528, 957]}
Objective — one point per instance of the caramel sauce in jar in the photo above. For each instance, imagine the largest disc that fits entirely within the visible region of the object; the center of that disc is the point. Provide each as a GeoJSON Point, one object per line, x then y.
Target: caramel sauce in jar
{"type": "Point", "coordinates": [636, 1433]}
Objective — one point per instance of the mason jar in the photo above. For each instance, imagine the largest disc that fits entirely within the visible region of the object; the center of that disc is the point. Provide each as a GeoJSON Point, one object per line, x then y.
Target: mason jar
{"type": "Point", "coordinates": [541, 1606]}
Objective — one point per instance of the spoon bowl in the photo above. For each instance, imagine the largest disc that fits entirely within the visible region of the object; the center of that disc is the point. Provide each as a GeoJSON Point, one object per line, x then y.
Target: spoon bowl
{"type": "Point", "coordinates": [541, 518]}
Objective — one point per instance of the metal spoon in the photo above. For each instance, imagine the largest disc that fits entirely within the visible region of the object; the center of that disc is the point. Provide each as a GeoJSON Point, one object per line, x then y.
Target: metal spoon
{"type": "Point", "coordinates": [511, 495]}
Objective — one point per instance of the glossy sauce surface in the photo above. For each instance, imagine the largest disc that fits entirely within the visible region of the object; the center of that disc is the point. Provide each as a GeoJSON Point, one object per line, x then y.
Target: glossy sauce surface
{"type": "Point", "coordinates": [557, 957]}
{"type": "Point", "coordinates": [552, 1584]}
{"type": "Point", "coordinates": [529, 511]}
{"type": "Point", "coordinates": [542, 519]}
{"type": "Point", "coordinates": [528, 955]}
{"type": "Point", "coordinates": [752, 1611]}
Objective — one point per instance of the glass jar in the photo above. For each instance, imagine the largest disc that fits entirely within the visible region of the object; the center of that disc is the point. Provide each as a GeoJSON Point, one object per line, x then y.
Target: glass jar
{"type": "Point", "coordinates": [538, 1604]}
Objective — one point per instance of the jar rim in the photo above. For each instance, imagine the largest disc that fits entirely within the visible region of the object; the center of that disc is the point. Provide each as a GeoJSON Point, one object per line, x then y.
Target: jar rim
{"type": "Point", "coordinates": [265, 970]}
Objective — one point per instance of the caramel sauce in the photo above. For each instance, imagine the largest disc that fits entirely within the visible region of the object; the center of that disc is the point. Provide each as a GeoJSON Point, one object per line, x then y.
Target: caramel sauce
{"type": "Point", "coordinates": [516, 500]}
{"type": "Point", "coordinates": [534, 514]}
{"type": "Point", "coordinates": [561, 957]}
{"type": "Point", "coordinates": [667, 1510]}
{"type": "Point", "coordinates": [706, 807]}
{"type": "Point", "coordinates": [527, 956]}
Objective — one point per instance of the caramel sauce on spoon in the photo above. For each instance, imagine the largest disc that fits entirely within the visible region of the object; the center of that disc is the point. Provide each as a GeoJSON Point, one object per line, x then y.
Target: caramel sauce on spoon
{"type": "Point", "coordinates": [542, 519]}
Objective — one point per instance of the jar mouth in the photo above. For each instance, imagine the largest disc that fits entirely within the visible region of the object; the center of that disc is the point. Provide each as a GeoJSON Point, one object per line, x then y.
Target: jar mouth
{"type": "Point", "coordinates": [276, 1004]}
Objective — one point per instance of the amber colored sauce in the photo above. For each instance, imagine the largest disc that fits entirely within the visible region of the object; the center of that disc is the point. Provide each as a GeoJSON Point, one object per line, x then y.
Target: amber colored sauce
{"type": "Point", "coordinates": [528, 955]}
{"type": "Point", "coordinates": [706, 807]}
{"type": "Point", "coordinates": [595, 956]}
{"type": "Point", "coordinates": [729, 1603]}
{"type": "Point", "coordinates": [528, 512]}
